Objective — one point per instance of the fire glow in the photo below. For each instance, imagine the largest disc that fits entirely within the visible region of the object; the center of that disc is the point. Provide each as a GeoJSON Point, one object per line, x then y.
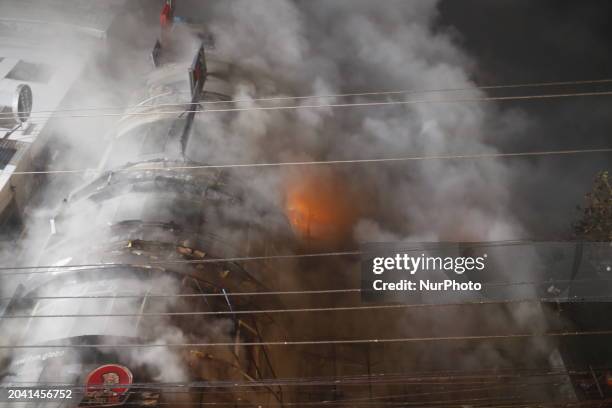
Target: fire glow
{"type": "Point", "coordinates": [320, 207]}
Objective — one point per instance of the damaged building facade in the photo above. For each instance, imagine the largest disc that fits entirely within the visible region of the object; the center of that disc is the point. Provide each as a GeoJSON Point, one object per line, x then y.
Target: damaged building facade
{"type": "Point", "coordinates": [154, 279]}
{"type": "Point", "coordinates": [144, 236]}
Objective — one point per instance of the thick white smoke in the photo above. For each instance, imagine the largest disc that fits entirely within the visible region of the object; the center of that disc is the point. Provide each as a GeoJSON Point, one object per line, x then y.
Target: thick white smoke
{"type": "Point", "coordinates": [318, 47]}
{"type": "Point", "coordinates": [335, 47]}
{"type": "Point", "coordinates": [97, 79]}
{"type": "Point", "coordinates": [323, 48]}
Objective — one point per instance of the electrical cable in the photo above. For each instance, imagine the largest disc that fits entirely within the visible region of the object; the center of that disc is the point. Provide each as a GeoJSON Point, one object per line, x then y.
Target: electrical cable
{"type": "Point", "coordinates": [507, 336]}
{"type": "Point", "coordinates": [192, 295]}
{"type": "Point", "coordinates": [328, 162]}
{"type": "Point", "coordinates": [339, 95]}
{"type": "Point", "coordinates": [421, 247]}
{"type": "Point", "coordinates": [305, 310]}
{"type": "Point", "coordinates": [383, 378]}
{"type": "Point", "coordinates": [336, 105]}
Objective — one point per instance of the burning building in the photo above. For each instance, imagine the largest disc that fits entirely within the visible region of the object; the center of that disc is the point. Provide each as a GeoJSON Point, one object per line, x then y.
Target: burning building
{"type": "Point", "coordinates": [141, 246]}
{"type": "Point", "coordinates": [157, 280]}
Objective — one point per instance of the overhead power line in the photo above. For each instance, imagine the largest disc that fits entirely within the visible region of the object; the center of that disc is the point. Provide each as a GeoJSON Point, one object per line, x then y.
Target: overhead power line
{"type": "Point", "coordinates": [491, 376]}
{"type": "Point", "coordinates": [406, 247]}
{"type": "Point", "coordinates": [507, 336]}
{"type": "Point", "coordinates": [93, 266]}
{"type": "Point", "coordinates": [493, 380]}
{"type": "Point", "coordinates": [488, 374]}
{"type": "Point", "coordinates": [409, 247]}
{"type": "Point", "coordinates": [328, 96]}
{"type": "Point", "coordinates": [336, 105]}
{"type": "Point", "coordinates": [330, 162]}
{"type": "Point", "coordinates": [308, 309]}
{"type": "Point", "coordinates": [439, 377]}
{"type": "Point", "coordinates": [194, 295]}
{"type": "Point", "coordinates": [321, 292]}
{"type": "Point", "coordinates": [305, 310]}
{"type": "Point", "coordinates": [381, 400]}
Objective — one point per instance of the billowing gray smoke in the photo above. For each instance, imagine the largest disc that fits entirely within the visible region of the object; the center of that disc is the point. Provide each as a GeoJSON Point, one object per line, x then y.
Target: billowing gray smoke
{"type": "Point", "coordinates": [322, 47]}
{"type": "Point", "coordinates": [336, 47]}
{"type": "Point", "coordinates": [94, 72]}
{"type": "Point", "coordinates": [326, 48]}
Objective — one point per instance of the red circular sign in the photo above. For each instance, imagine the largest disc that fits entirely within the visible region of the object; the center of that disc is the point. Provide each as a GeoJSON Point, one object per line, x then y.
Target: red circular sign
{"type": "Point", "coordinates": [110, 378]}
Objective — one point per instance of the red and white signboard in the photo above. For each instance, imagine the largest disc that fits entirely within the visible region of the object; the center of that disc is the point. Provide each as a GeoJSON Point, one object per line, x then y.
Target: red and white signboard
{"type": "Point", "coordinates": [108, 384]}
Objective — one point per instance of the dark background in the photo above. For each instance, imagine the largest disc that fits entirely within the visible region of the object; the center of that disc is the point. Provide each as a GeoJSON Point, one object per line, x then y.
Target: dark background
{"type": "Point", "coordinates": [517, 41]}
{"type": "Point", "coordinates": [526, 40]}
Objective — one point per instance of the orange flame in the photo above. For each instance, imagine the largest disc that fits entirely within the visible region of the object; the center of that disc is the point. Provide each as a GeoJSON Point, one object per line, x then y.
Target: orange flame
{"type": "Point", "coordinates": [320, 206]}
